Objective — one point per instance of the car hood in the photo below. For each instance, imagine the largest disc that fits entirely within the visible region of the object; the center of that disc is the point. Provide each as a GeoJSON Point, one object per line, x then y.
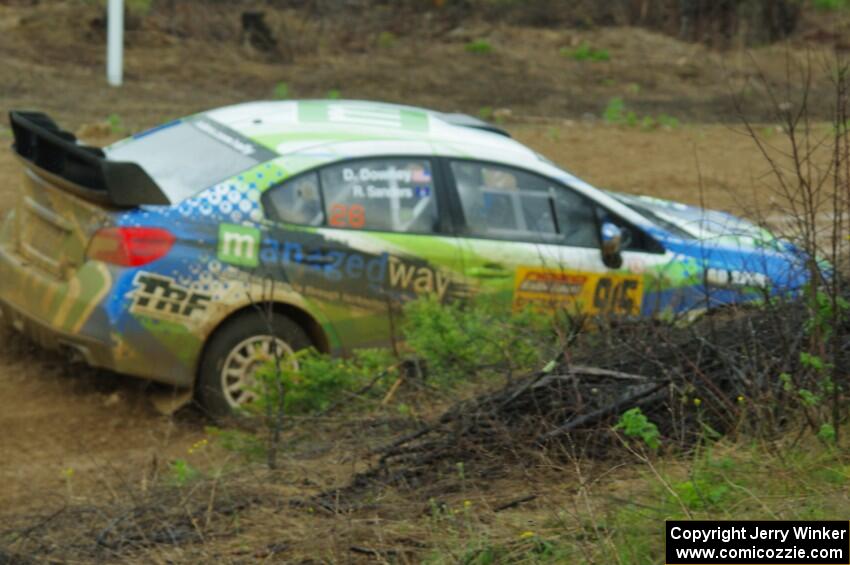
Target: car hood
{"type": "Point", "coordinates": [702, 224]}
{"type": "Point", "coordinates": [734, 251]}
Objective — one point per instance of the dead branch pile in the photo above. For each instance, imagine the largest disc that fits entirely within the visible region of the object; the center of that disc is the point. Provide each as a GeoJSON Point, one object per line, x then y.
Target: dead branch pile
{"type": "Point", "coordinates": [167, 516]}
{"type": "Point", "coordinates": [715, 376]}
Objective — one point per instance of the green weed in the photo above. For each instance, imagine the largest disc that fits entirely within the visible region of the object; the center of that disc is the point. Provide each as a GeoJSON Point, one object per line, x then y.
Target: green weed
{"type": "Point", "coordinates": [281, 91]}
{"type": "Point", "coordinates": [635, 424]}
{"type": "Point", "coordinates": [386, 39]}
{"type": "Point", "coordinates": [116, 124]}
{"type": "Point", "coordinates": [479, 46]}
{"type": "Point", "coordinates": [616, 113]}
{"type": "Point", "coordinates": [182, 473]}
{"type": "Point", "coordinates": [585, 52]}
{"type": "Point", "coordinates": [831, 5]}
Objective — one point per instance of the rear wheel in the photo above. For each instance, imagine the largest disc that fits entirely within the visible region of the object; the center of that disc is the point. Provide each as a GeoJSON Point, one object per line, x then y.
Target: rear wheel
{"type": "Point", "coordinates": [227, 377]}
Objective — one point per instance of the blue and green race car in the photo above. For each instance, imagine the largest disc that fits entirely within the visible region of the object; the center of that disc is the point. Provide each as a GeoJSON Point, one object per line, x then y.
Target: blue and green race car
{"type": "Point", "coordinates": [193, 252]}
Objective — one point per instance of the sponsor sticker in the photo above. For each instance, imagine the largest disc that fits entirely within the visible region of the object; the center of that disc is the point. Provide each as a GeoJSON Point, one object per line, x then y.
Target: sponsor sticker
{"type": "Point", "coordinates": [577, 291]}
{"type": "Point", "coordinates": [239, 245]}
{"type": "Point", "coordinates": [158, 296]}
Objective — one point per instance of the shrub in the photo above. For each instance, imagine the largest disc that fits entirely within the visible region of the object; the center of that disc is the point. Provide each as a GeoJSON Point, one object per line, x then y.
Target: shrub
{"type": "Point", "coordinates": [319, 379]}
{"type": "Point", "coordinates": [458, 341]}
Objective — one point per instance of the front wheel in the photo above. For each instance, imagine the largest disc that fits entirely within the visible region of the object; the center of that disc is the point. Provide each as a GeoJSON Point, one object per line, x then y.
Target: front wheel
{"type": "Point", "coordinates": [227, 378]}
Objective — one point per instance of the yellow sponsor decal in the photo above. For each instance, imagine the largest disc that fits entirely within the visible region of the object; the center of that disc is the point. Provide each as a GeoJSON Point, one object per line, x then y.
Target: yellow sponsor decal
{"type": "Point", "coordinates": [578, 291]}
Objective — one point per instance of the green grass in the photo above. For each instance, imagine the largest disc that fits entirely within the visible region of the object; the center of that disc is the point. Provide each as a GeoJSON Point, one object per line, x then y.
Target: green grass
{"type": "Point", "coordinates": [479, 46]}
{"type": "Point", "coordinates": [616, 113]}
{"type": "Point", "coordinates": [621, 519]}
{"type": "Point", "coordinates": [585, 52]}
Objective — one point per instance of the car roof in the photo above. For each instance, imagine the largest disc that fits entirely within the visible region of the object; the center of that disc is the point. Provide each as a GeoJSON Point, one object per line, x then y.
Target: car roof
{"type": "Point", "coordinates": [310, 133]}
{"type": "Point", "coordinates": [353, 128]}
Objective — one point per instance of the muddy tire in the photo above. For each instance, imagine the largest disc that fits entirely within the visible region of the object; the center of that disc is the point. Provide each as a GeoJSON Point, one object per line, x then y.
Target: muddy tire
{"type": "Point", "coordinates": [237, 350]}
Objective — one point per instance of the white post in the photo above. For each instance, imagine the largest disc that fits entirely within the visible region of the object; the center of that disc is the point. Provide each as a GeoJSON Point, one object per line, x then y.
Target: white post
{"type": "Point", "coordinates": [115, 42]}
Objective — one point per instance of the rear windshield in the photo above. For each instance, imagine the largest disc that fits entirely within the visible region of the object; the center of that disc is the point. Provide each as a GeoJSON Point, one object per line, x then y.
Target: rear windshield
{"type": "Point", "coordinates": [187, 156]}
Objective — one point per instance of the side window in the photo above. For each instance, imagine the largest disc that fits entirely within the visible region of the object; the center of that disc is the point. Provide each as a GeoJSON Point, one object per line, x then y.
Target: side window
{"type": "Point", "coordinates": [504, 203]}
{"type": "Point", "coordinates": [381, 194]}
{"type": "Point", "coordinates": [296, 201]}
{"type": "Point", "coordinates": [634, 239]}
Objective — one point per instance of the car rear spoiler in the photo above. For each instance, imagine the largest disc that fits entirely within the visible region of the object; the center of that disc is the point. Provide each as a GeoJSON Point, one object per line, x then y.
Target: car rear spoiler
{"type": "Point", "coordinates": [467, 121]}
{"type": "Point", "coordinates": [87, 170]}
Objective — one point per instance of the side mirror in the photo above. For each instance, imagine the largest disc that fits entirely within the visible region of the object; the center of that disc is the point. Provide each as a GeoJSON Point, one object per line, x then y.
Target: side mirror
{"type": "Point", "coordinates": [612, 242]}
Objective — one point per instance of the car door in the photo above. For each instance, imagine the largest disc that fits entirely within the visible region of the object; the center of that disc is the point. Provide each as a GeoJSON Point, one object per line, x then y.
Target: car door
{"type": "Point", "coordinates": [528, 239]}
{"type": "Point", "coordinates": [381, 240]}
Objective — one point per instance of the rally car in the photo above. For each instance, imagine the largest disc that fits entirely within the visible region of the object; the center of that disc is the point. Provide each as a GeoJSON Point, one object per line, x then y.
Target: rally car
{"type": "Point", "coordinates": [193, 252]}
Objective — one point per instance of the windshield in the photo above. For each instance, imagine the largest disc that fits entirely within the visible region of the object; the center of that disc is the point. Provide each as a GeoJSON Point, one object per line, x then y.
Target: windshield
{"type": "Point", "coordinates": [186, 156]}
{"type": "Point", "coordinates": [652, 216]}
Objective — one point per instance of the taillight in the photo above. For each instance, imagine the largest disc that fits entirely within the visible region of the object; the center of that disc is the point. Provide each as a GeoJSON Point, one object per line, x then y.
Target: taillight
{"type": "Point", "coordinates": [130, 247]}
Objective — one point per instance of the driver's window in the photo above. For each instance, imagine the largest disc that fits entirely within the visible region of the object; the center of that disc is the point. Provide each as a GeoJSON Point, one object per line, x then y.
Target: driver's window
{"type": "Point", "coordinates": [505, 203]}
{"type": "Point", "coordinates": [388, 194]}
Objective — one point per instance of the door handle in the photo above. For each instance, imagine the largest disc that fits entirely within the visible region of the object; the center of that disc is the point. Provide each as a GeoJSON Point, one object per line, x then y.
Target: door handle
{"type": "Point", "coordinates": [490, 271]}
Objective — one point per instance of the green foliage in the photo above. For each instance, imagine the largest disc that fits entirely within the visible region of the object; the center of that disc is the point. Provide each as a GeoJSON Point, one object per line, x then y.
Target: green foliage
{"type": "Point", "coordinates": [458, 341]}
{"type": "Point", "coordinates": [826, 433]}
{"type": "Point", "coordinates": [116, 124]}
{"type": "Point", "coordinates": [812, 361]}
{"type": "Point", "coordinates": [667, 121]}
{"type": "Point", "coordinates": [616, 113]}
{"type": "Point", "coordinates": [386, 39]}
{"type": "Point", "coordinates": [826, 313]}
{"type": "Point", "coordinates": [634, 423]}
{"type": "Point", "coordinates": [244, 443]}
{"type": "Point", "coordinates": [135, 7]}
{"type": "Point", "coordinates": [182, 473]}
{"type": "Point", "coordinates": [281, 90]}
{"type": "Point", "coordinates": [485, 112]}
{"type": "Point", "coordinates": [140, 7]}
{"type": "Point", "coordinates": [787, 383]}
{"type": "Point", "coordinates": [702, 493]}
{"type": "Point", "coordinates": [334, 94]}
{"type": "Point", "coordinates": [585, 52]}
{"type": "Point", "coordinates": [479, 46]}
{"type": "Point", "coordinates": [318, 380]}
{"type": "Point", "coordinates": [831, 5]}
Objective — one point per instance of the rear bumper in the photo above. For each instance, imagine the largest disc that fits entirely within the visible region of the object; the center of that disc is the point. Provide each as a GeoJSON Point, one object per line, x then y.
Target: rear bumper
{"type": "Point", "coordinates": [91, 351]}
{"type": "Point", "coordinates": [78, 316]}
